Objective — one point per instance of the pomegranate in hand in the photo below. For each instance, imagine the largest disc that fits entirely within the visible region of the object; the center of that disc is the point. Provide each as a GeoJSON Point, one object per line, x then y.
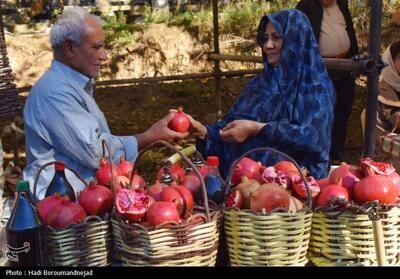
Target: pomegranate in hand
{"type": "Point", "coordinates": [180, 123]}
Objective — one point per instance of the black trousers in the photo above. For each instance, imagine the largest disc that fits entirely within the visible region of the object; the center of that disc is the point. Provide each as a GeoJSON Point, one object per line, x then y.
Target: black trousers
{"type": "Point", "coordinates": [345, 88]}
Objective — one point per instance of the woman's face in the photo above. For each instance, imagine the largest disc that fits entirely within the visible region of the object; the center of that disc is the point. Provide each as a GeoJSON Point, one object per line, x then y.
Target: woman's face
{"type": "Point", "coordinates": [272, 45]}
{"type": "Point", "coordinates": [397, 63]}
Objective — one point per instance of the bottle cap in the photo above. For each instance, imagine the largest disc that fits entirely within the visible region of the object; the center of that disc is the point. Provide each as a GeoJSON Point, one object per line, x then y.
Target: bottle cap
{"type": "Point", "coordinates": [60, 166]}
{"type": "Point", "coordinates": [213, 161]}
{"type": "Point", "coordinates": [22, 185]}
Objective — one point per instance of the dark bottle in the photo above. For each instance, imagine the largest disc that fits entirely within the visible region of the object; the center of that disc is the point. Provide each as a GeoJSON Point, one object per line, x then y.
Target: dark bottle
{"type": "Point", "coordinates": [25, 231]}
{"type": "Point", "coordinates": [215, 185]}
{"type": "Point", "coordinates": [60, 184]}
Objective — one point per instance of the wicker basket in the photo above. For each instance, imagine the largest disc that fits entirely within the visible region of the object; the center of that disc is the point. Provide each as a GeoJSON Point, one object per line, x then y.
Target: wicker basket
{"type": "Point", "coordinates": [193, 243]}
{"type": "Point", "coordinates": [349, 238]}
{"type": "Point", "coordinates": [84, 244]}
{"type": "Point", "coordinates": [272, 239]}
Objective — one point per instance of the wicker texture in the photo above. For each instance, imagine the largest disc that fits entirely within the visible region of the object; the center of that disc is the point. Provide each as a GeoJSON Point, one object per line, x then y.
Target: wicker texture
{"type": "Point", "coordinates": [84, 244]}
{"type": "Point", "coordinates": [9, 103]}
{"type": "Point", "coordinates": [347, 239]}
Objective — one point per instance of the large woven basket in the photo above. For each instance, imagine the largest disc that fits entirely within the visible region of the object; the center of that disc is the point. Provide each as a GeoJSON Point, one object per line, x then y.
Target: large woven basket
{"type": "Point", "coordinates": [271, 239]}
{"type": "Point", "coordinates": [84, 244]}
{"type": "Point", "coordinates": [192, 243]}
{"type": "Point", "coordinates": [348, 238]}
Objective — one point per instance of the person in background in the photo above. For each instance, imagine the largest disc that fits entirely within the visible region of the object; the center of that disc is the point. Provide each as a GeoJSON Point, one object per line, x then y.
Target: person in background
{"type": "Point", "coordinates": [333, 28]}
{"type": "Point", "coordinates": [62, 120]}
{"type": "Point", "coordinates": [288, 107]}
{"type": "Point", "coordinates": [388, 112]}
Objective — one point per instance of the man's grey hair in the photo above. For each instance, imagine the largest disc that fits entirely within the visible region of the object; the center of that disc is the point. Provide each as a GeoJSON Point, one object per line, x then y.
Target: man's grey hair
{"type": "Point", "coordinates": [70, 25]}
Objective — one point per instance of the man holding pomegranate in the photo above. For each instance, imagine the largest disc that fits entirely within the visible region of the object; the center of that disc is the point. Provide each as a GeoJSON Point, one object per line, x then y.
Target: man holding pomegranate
{"type": "Point", "coordinates": [288, 107]}
{"type": "Point", "coordinates": [62, 120]}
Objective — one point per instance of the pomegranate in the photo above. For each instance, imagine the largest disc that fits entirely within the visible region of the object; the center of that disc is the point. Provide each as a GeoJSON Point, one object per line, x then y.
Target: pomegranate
{"type": "Point", "coordinates": [270, 174]}
{"type": "Point", "coordinates": [192, 182]}
{"type": "Point", "coordinates": [245, 167]}
{"type": "Point", "coordinates": [132, 204]}
{"type": "Point", "coordinates": [155, 190]}
{"type": "Point", "coordinates": [103, 174]}
{"type": "Point", "coordinates": [180, 123]}
{"type": "Point", "coordinates": [203, 170]}
{"type": "Point", "coordinates": [177, 173]}
{"type": "Point", "coordinates": [375, 187]}
{"type": "Point", "coordinates": [377, 167]}
{"type": "Point", "coordinates": [121, 182]}
{"type": "Point", "coordinates": [125, 167]}
{"type": "Point", "coordinates": [295, 205]}
{"type": "Point", "coordinates": [269, 197]}
{"type": "Point", "coordinates": [65, 214]}
{"type": "Point", "coordinates": [332, 192]}
{"type": "Point", "coordinates": [161, 212]}
{"type": "Point", "coordinates": [246, 187]}
{"type": "Point", "coordinates": [138, 182]}
{"type": "Point", "coordinates": [287, 167]}
{"type": "Point", "coordinates": [300, 188]}
{"type": "Point", "coordinates": [234, 199]}
{"type": "Point", "coordinates": [181, 196]}
{"type": "Point", "coordinates": [395, 177]}
{"type": "Point", "coordinates": [46, 205]}
{"type": "Point", "coordinates": [323, 182]}
{"type": "Point", "coordinates": [96, 199]}
{"type": "Point", "coordinates": [346, 175]}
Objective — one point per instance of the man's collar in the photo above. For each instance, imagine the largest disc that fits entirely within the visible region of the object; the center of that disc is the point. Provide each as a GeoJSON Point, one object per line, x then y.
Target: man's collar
{"type": "Point", "coordinates": [71, 75]}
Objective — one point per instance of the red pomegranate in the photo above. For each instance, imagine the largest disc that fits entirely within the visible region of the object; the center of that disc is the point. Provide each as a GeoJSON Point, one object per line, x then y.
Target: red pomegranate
{"type": "Point", "coordinates": [103, 174]}
{"type": "Point", "coordinates": [138, 182]}
{"type": "Point", "coordinates": [375, 187]}
{"type": "Point", "coordinates": [65, 214]}
{"type": "Point", "coordinates": [181, 196]}
{"type": "Point", "coordinates": [192, 182]}
{"type": "Point", "coordinates": [121, 182]}
{"type": "Point", "coordinates": [323, 182]}
{"type": "Point", "coordinates": [300, 188]}
{"type": "Point", "coordinates": [270, 175]}
{"type": "Point", "coordinates": [379, 168]}
{"type": "Point", "coordinates": [96, 199]}
{"type": "Point", "coordinates": [203, 170]}
{"type": "Point", "coordinates": [246, 187]}
{"type": "Point", "coordinates": [161, 212]}
{"type": "Point", "coordinates": [245, 167]}
{"type": "Point", "coordinates": [155, 190]}
{"type": "Point", "coordinates": [286, 167]}
{"type": "Point", "coordinates": [125, 167]}
{"type": "Point", "coordinates": [46, 205]}
{"type": "Point", "coordinates": [346, 175]}
{"type": "Point", "coordinates": [180, 123]}
{"type": "Point", "coordinates": [234, 199]}
{"type": "Point", "coordinates": [332, 192]}
{"type": "Point", "coordinates": [132, 204]}
{"type": "Point", "coordinates": [269, 197]}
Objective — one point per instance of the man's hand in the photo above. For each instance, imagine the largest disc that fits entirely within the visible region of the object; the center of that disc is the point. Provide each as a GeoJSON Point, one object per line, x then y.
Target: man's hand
{"type": "Point", "coordinates": [196, 128]}
{"type": "Point", "coordinates": [239, 130]}
{"type": "Point", "coordinates": [160, 131]}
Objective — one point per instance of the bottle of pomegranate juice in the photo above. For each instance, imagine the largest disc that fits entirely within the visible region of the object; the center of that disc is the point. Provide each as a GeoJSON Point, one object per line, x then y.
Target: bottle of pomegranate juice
{"type": "Point", "coordinates": [215, 185]}
{"type": "Point", "coordinates": [60, 184]}
{"type": "Point", "coordinates": [24, 231]}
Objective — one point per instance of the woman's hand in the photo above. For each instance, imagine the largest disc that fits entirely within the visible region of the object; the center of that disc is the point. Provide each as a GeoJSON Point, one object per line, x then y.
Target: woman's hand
{"type": "Point", "coordinates": [196, 128]}
{"type": "Point", "coordinates": [239, 130]}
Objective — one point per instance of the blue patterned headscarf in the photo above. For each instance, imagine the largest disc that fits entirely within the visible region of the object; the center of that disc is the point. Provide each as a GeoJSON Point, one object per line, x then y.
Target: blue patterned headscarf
{"type": "Point", "coordinates": [295, 98]}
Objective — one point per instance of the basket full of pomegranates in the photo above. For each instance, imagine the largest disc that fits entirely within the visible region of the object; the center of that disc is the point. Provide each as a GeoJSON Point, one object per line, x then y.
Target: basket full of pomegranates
{"type": "Point", "coordinates": [77, 225]}
{"type": "Point", "coordinates": [356, 216]}
{"type": "Point", "coordinates": [267, 214]}
{"type": "Point", "coordinates": [163, 224]}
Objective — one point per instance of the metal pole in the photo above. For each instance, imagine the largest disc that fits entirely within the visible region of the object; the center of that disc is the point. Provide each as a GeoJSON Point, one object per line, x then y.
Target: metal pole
{"type": "Point", "coordinates": [217, 69]}
{"type": "Point", "coordinates": [373, 77]}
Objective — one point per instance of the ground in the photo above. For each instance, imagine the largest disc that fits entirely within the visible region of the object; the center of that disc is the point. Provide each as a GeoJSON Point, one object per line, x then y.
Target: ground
{"type": "Point", "coordinates": [159, 51]}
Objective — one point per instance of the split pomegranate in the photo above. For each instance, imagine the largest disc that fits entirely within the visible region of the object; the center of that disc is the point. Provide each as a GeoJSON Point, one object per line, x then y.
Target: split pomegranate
{"type": "Point", "coordinates": [300, 188]}
{"type": "Point", "coordinates": [287, 167]}
{"type": "Point", "coordinates": [155, 190]}
{"type": "Point", "coordinates": [65, 214]}
{"type": "Point", "coordinates": [103, 174]}
{"type": "Point", "coordinates": [181, 196]}
{"type": "Point", "coordinates": [246, 187]}
{"type": "Point", "coordinates": [46, 205]}
{"type": "Point", "coordinates": [161, 212]}
{"type": "Point", "coordinates": [270, 174]}
{"type": "Point", "coordinates": [346, 175]}
{"type": "Point", "coordinates": [245, 167]}
{"type": "Point", "coordinates": [269, 197]}
{"type": "Point", "coordinates": [96, 199]}
{"type": "Point", "coordinates": [234, 199]}
{"type": "Point", "coordinates": [332, 192]}
{"type": "Point", "coordinates": [377, 167]}
{"type": "Point", "coordinates": [180, 123]}
{"type": "Point", "coordinates": [125, 167]}
{"type": "Point", "coordinates": [375, 187]}
{"type": "Point", "coordinates": [132, 204]}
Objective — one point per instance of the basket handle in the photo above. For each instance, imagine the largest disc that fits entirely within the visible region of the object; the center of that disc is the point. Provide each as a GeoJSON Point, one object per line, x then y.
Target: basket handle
{"type": "Point", "coordinates": [105, 147]}
{"type": "Point", "coordinates": [259, 149]}
{"type": "Point", "coordinates": [185, 158]}
{"type": "Point", "coordinates": [52, 163]}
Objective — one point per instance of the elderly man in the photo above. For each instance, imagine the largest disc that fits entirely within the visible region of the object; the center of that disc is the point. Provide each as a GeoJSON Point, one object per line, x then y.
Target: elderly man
{"type": "Point", "coordinates": [333, 28]}
{"type": "Point", "coordinates": [62, 120]}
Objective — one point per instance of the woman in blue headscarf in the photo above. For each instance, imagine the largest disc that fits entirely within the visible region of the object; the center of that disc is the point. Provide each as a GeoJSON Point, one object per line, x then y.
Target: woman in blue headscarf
{"type": "Point", "coordinates": [289, 106]}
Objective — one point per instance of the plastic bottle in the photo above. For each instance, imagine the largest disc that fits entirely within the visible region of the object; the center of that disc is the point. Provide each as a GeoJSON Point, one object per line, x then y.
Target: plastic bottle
{"type": "Point", "coordinates": [215, 185]}
{"type": "Point", "coordinates": [60, 184]}
{"type": "Point", "coordinates": [24, 231]}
